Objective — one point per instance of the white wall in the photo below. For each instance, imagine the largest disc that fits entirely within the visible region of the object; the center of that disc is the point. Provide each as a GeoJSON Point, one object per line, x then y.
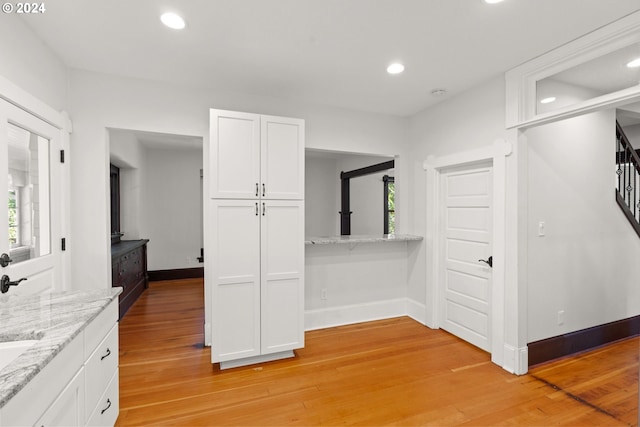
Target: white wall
{"type": "Point", "coordinates": [98, 101]}
{"type": "Point", "coordinates": [126, 153]}
{"type": "Point", "coordinates": [467, 121]}
{"type": "Point", "coordinates": [585, 265]}
{"type": "Point", "coordinates": [362, 282]}
{"type": "Point", "coordinates": [27, 62]}
{"type": "Point", "coordinates": [321, 203]}
{"type": "Point", "coordinates": [633, 135]}
{"type": "Point", "coordinates": [170, 207]}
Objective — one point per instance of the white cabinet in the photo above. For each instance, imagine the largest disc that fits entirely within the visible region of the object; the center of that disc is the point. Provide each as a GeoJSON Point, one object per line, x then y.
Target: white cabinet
{"type": "Point", "coordinates": [254, 156]}
{"type": "Point", "coordinates": [76, 384]}
{"type": "Point", "coordinates": [235, 263]}
{"type": "Point", "coordinates": [282, 275]}
{"type": "Point", "coordinates": [257, 260]}
{"type": "Point", "coordinates": [68, 408]}
{"type": "Point", "coordinates": [256, 237]}
{"type": "Point", "coordinates": [100, 368]}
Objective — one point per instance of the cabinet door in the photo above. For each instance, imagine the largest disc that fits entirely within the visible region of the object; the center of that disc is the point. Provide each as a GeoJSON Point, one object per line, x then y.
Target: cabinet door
{"type": "Point", "coordinates": [282, 158]}
{"type": "Point", "coordinates": [235, 271]}
{"type": "Point", "coordinates": [68, 408]}
{"type": "Point", "coordinates": [282, 270]}
{"type": "Point", "coordinates": [234, 157]}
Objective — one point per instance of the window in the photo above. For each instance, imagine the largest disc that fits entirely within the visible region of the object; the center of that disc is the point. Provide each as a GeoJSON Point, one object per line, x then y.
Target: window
{"type": "Point", "coordinates": [14, 232]}
{"type": "Point", "coordinates": [389, 204]}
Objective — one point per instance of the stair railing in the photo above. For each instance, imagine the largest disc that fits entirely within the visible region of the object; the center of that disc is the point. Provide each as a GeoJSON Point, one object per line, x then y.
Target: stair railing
{"type": "Point", "coordinates": [628, 180]}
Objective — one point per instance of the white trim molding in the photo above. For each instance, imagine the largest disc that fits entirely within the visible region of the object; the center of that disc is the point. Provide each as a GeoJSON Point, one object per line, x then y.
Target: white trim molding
{"type": "Point", "coordinates": [32, 105]}
{"type": "Point", "coordinates": [521, 81]}
{"type": "Point", "coordinates": [516, 360]}
{"type": "Point", "coordinates": [434, 167]}
{"type": "Point", "coordinates": [366, 312]}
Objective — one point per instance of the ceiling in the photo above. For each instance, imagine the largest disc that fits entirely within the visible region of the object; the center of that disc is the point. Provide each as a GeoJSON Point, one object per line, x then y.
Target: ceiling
{"type": "Point", "coordinates": [329, 52]}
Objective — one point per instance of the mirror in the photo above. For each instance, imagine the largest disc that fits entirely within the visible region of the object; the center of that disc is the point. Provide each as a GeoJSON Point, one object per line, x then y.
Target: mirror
{"type": "Point", "coordinates": [606, 74]}
{"type": "Point", "coordinates": [29, 202]}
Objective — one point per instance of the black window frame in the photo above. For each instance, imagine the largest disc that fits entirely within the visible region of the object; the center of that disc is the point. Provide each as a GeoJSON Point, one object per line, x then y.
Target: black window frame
{"type": "Point", "coordinates": [114, 181]}
{"type": "Point", "coordinates": [387, 179]}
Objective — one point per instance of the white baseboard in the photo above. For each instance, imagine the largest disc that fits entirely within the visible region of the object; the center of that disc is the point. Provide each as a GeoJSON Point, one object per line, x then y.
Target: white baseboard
{"type": "Point", "coordinates": [516, 360]}
{"type": "Point", "coordinates": [417, 311]}
{"type": "Point", "coordinates": [366, 312]}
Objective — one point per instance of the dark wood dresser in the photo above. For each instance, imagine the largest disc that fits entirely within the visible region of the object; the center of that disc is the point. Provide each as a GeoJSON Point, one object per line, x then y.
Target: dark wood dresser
{"type": "Point", "coordinates": [129, 270]}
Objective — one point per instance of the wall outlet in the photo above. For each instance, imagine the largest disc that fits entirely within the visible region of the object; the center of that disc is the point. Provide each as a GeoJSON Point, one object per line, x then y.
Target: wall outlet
{"type": "Point", "coordinates": [560, 317]}
{"type": "Point", "coordinates": [323, 293]}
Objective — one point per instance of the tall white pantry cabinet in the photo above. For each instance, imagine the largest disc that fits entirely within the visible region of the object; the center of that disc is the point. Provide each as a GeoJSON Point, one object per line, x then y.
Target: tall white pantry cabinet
{"type": "Point", "coordinates": [256, 237]}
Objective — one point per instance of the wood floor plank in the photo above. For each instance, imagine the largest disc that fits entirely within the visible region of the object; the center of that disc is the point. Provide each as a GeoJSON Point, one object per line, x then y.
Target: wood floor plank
{"type": "Point", "coordinates": [389, 372]}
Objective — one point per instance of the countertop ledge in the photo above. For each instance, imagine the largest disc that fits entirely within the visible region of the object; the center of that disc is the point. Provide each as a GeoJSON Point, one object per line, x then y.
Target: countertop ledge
{"type": "Point", "coordinates": [362, 239]}
{"type": "Point", "coordinates": [54, 320]}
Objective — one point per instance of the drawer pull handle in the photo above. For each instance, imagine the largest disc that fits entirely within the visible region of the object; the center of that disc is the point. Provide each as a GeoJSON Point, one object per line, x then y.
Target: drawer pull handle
{"type": "Point", "coordinates": [108, 353]}
{"type": "Point", "coordinates": [108, 406]}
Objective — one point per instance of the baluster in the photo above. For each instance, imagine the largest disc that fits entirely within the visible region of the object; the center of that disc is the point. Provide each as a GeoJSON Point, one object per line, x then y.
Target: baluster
{"type": "Point", "coordinates": [619, 161]}
{"type": "Point", "coordinates": [624, 175]}
{"type": "Point", "coordinates": [628, 176]}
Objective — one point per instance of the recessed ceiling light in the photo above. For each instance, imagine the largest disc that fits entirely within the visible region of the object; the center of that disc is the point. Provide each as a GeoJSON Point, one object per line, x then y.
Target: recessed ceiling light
{"type": "Point", "coordinates": [548, 100]}
{"type": "Point", "coordinates": [395, 68]}
{"type": "Point", "coordinates": [493, 1]}
{"type": "Point", "coordinates": [634, 64]}
{"type": "Point", "coordinates": [172, 20]}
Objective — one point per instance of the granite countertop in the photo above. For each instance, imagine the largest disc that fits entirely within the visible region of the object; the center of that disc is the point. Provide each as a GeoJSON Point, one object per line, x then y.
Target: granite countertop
{"type": "Point", "coordinates": [52, 319]}
{"type": "Point", "coordinates": [362, 239]}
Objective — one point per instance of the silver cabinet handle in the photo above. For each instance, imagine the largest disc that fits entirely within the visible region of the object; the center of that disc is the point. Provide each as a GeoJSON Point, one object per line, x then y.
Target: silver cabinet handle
{"type": "Point", "coordinates": [257, 189]}
{"type": "Point", "coordinates": [264, 190]}
{"type": "Point", "coordinates": [263, 208]}
{"type": "Point", "coordinates": [256, 208]}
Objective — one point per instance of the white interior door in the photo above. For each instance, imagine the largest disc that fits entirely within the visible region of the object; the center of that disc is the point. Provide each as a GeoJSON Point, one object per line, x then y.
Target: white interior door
{"type": "Point", "coordinates": [465, 219]}
{"type": "Point", "coordinates": [30, 230]}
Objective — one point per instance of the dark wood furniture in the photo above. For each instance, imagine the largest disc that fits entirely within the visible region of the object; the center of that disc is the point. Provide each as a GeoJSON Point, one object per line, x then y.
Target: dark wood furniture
{"type": "Point", "coordinates": [129, 270]}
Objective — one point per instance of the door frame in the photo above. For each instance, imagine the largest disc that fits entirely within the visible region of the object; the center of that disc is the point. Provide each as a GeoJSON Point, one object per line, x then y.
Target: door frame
{"type": "Point", "coordinates": [59, 120]}
{"type": "Point", "coordinates": [496, 155]}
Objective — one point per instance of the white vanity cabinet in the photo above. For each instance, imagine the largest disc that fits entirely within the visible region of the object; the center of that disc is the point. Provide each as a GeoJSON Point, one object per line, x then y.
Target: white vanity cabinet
{"type": "Point", "coordinates": [76, 384]}
{"type": "Point", "coordinates": [101, 369]}
{"type": "Point", "coordinates": [254, 156]}
{"type": "Point", "coordinates": [256, 237]}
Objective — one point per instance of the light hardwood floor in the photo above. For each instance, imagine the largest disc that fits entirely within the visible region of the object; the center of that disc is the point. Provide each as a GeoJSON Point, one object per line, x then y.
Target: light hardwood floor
{"type": "Point", "coordinates": [389, 372]}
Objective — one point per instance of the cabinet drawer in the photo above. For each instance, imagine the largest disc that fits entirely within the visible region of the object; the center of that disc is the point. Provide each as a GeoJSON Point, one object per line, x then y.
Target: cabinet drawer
{"type": "Point", "coordinates": [100, 367]}
{"type": "Point", "coordinates": [99, 328]}
{"type": "Point", "coordinates": [108, 408]}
